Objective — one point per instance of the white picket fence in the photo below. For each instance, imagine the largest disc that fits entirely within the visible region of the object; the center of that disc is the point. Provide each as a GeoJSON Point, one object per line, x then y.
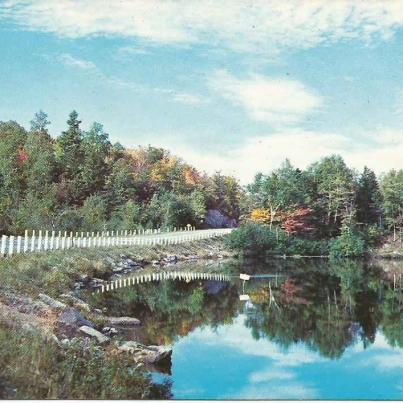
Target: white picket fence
{"type": "Point", "coordinates": [161, 276]}
{"type": "Point", "coordinates": [52, 240]}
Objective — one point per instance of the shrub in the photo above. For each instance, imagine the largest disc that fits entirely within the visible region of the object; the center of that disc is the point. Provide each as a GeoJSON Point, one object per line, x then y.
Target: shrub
{"type": "Point", "coordinates": [254, 238]}
{"type": "Point", "coordinates": [348, 244]}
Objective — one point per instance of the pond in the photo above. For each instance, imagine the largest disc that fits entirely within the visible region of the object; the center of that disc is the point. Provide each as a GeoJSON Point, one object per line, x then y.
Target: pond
{"type": "Point", "coordinates": [298, 329]}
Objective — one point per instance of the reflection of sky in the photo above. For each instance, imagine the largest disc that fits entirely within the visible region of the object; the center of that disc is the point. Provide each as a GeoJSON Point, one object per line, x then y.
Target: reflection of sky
{"type": "Point", "coordinates": [229, 363]}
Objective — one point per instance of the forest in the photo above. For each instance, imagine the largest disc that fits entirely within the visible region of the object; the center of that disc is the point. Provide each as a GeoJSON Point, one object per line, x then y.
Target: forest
{"type": "Point", "coordinates": [79, 180]}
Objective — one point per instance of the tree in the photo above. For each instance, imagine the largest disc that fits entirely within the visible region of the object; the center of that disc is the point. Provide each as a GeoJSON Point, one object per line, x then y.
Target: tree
{"type": "Point", "coordinates": [69, 150]}
{"type": "Point", "coordinates": [392, 192]}
{"type": "Point", "coordinates": [40, 123]}
{"type": "Point", "coordinates": [280, 190]}
{"type": "Point", "coordinates": [368, 199]}
{"type": "Point", "coordinates": [93, 213]}
{"type": "Point", "coordinates": [39, 161]}
{"type": "Point", "coordinates": [335, 186]}
{"type": "Point", "coordinates": [119, 185]}
{"type": "Point", "coordinates": [70, 156]}
{"type": "Point", "coordinates": [12, 157]}
{"type": "Point", "coordinates": [96, 150]}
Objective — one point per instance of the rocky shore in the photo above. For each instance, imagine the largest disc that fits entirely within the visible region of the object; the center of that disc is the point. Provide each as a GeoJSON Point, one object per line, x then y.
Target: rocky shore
{"type": "Point", "coordinates": [66, 318]}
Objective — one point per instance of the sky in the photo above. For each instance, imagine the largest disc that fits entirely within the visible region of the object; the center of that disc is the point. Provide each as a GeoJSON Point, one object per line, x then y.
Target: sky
{"type": "Point", "coordinates": [230, 85]}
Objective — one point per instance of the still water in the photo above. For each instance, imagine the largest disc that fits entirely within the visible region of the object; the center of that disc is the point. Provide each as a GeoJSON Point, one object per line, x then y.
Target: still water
{"type": "Point", "coordinates": [299, 330]}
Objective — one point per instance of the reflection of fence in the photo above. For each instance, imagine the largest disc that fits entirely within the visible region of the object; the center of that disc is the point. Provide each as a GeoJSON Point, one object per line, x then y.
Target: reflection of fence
{"type": "Point", "coordinates": [50, 240]}
{"type": "Point", "coordinates": [161, 276]}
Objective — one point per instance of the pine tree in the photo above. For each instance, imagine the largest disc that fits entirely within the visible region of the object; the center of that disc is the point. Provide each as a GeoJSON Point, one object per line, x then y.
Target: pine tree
{"type": "Point", "coordinates": [368, 199]}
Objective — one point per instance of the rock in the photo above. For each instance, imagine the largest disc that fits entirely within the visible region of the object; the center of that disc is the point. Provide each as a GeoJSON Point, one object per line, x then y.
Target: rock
{"type": "Point", "coordinates": [77, 302]}
{"type": "Point", "coordinates": [146, 354]}
{"type": "Point", "coordinates": [123, 321]}
{"type": "Point", "coordinates": [69, 321]}
{"type": "Point", "coordinates": [25, 304]}
{"type": "Point", "coordinates": [156, 263]}
{"type": "Point", "coordinates": [53, 303]}
{"type": "Point", "coordinates": [91, 332]}
{"type": "Point", "coordinates": [109, 331]}
{"type": "Point", "coordinates": [117, 269]}
{"type": "Point", "coordinates": [85, 279]}
{"type": "Point", "coordinates": [96, 282]}
{"type": "Point", "coordinates": [110, 261]}
{"type": "Point", "coordinates": [171, 259]}
{"type": "Point", "coordinates": [216, 219]}
{"type": "Point", "coordinates": [98, 311]}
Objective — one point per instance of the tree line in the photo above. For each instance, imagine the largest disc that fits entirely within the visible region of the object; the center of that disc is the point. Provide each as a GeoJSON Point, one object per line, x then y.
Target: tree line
{"type": "Point", "coordinates": [79, 180]}
{"type": "Point", "coordinates": [327, 208]}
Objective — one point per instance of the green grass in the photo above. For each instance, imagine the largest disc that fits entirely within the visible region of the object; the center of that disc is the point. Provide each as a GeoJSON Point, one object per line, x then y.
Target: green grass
{"type": "Point", "coordinates": [34, 369]}
{"type": "Point", "coordinates": [56, 272]}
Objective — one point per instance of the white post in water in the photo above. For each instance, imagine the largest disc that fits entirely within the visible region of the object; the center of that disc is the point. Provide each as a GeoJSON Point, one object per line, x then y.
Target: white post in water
{"type": "Point", "coordinates": [26, 240]}
{"type": "Point", "coordinates": [11, 245]}
{"type": "Point", "coordinates": [3, 245]}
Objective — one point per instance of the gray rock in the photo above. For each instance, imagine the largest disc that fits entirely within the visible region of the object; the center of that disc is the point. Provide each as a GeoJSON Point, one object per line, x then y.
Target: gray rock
{"type": "Point", "coordinates": [69, 321]}
{"type": "Point", "coordinates": [123, 321]}
{"type": "Point", "coordinates": [216, 219]}
{"type": "Point", "coordinates": [109, 331]}
{"type": "Point", "coordinates": [146, 354]}
{"type": "Point", "coordinates": [53, 303]}
{"type": "Point", "coordinates": [171, 259]}
{"type": "Point", "coordinates": [77, 302]}
{"type": "Point", "coordinates": [117, 269]}
{"type": "Point", "coordinates": [91, 332]}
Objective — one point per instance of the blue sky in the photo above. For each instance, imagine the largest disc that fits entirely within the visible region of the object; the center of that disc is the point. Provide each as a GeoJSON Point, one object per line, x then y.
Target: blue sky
{"type": "Point", "coordinates": [236, 86]}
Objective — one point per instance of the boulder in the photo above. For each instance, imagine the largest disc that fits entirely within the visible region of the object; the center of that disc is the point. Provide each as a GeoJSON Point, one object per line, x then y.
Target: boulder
{"type": "Point", "coordinates": [123, 321]}
{"type": "Point", "coordinates": [216, 219]}
{"type": "Point", "coordinates": [53, 303]}
{"type": "Point", "coordinates": [69, 321]}
{"type": "Point", "coordinates": [146, 354]}
{"type": "Point", "coordinates": [93, 333]}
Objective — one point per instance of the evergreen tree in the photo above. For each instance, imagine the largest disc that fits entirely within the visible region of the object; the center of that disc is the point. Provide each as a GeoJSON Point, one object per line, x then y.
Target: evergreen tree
{"type": "Point", "coordinates": [368, 199]}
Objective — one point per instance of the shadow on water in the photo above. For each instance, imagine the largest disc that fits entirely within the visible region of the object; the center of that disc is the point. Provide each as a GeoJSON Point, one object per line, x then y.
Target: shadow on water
{"type": "Point", "coordinates": [325, 307]}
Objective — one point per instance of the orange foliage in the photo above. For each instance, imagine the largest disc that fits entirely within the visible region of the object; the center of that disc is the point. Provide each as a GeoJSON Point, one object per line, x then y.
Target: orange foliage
{"type": "Point", "coordinates": [21, 156]}
{"type": "Point", "coordinates": [298, 221]}
{"type": "Point", "coordinates": [191, 176]}
{"type": "Point", "coordinates": [260, 215]}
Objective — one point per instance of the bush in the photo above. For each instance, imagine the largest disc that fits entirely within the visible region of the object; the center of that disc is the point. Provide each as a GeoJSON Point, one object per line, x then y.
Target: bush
{"type": "Point", "coordinates": [348, 244]}
{"type": "Point", "coordinates": [254, 238]}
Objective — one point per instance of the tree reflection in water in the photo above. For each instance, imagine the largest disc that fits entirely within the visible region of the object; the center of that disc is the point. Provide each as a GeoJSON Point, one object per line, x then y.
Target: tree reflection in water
{"type": "Point", "coordinates": [326, 305]}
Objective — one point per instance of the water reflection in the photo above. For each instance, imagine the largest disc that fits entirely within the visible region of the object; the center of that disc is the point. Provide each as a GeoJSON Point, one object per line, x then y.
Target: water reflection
{"type": "Point", "coordinates": [307, 330]}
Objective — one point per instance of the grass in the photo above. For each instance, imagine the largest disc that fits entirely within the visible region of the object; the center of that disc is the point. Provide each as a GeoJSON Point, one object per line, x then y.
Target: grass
{"type": "Point", "coordinates": [34, 369]}
{"type": "Point", "coordinates": [56, 272]}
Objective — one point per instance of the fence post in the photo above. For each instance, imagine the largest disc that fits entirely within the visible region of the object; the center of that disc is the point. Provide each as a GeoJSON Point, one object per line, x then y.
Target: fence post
{"type": "Point", "coordinates": [26, 240]}
{"type": "Point", "coordinates": [3, 245]}
{"type": "Point", "coordinates": [39, 240]}
{"type": "Point", "coordinates": [19, 238]}
{"type": "Point", "coordinates": [11, 245]}
{"type": "Point", "coordinates": [45, 247]}
{"type": "Point", "coordinates": [52, 241]}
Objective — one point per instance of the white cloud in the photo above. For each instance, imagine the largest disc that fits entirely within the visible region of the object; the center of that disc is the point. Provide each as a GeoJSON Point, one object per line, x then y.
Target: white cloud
{"type": "Point", "coordinates": [264, 153]}
{"type": "Point", "coordinates": [72, 61]}
{"type": "Point", "coordinates": [116, 82]}
{"type": "Point", "coordinates": [274, 101]}
{"type": "Point", "coordinates": [253, 25]}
